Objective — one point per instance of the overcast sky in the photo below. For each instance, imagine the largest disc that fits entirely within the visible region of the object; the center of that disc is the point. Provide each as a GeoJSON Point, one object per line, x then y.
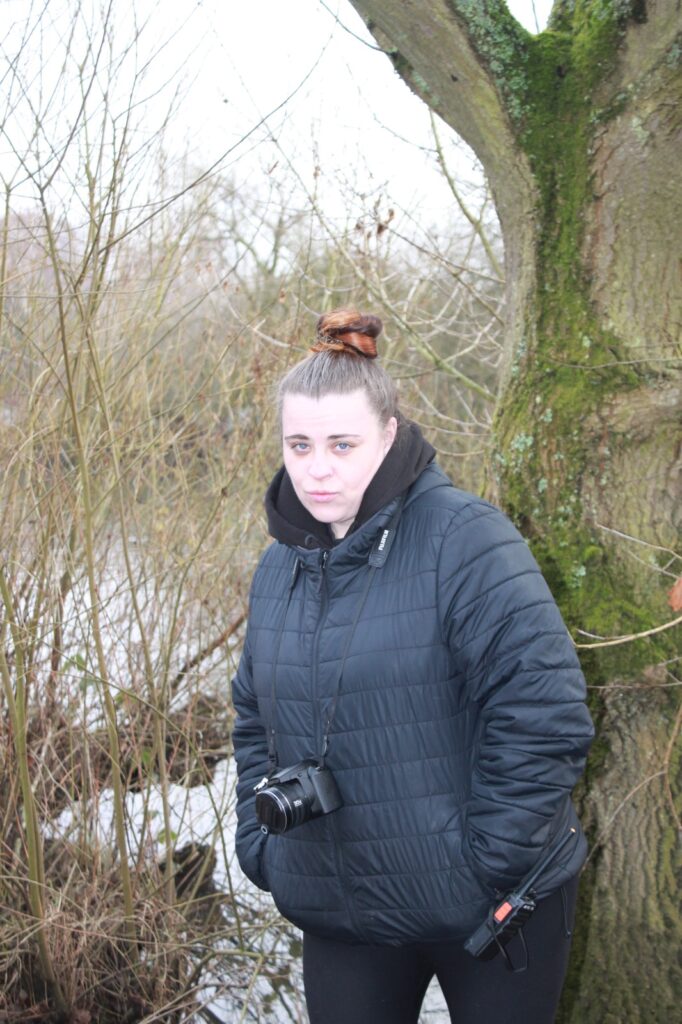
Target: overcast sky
{"type": "Point", "coordinates": [347, 100]}
{"type": "Point", "coordinates": [308, 67]}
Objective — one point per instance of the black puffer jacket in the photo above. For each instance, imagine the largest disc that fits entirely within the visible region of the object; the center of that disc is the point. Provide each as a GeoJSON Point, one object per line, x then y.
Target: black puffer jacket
{"type": "Point", "coordinates": [459, 731]}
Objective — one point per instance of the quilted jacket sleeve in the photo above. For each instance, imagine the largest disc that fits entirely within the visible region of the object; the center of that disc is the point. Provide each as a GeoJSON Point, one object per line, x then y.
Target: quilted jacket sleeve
{"type": "Point", "coordinates": [251, 753]}
{"type": "Point", "coordinates": [519, 665]}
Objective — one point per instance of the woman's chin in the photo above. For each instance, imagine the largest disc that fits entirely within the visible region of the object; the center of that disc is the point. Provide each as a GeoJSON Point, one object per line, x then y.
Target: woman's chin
{"type": "Point", "coordinates": [325, 514]}
{"type": "Point", "coordinates": [324, 510]}
{"type": "Point", "coordinates": [321, 512]}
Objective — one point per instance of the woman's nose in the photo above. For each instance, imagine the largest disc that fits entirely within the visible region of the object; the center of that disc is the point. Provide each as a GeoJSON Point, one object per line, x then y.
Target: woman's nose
{"type": "Point", "coordinates": [319, 466]}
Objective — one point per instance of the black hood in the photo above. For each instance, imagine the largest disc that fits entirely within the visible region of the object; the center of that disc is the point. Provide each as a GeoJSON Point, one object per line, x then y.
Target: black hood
{"type": "Point", "coordinates": [290, 523]}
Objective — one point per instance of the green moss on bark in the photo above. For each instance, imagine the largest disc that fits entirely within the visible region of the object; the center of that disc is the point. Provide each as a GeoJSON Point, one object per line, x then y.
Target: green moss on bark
{"type": "Point", "coordinates": [570, 365]}
{"type": "Point", "coordinates": [502, 44]}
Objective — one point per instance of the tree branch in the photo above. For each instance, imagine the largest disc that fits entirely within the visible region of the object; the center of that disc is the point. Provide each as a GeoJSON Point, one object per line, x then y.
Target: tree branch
{"type": "Point", "coordinates": [465, 59]}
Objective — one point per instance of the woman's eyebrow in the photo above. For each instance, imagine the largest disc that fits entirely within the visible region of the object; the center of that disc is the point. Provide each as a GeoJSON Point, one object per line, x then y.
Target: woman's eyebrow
{"type": "Point", "coordinates": [331, 437]}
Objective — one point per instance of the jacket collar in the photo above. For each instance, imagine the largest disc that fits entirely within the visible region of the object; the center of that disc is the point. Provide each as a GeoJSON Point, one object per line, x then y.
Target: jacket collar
{"type": "Point", "coordinates": [355, 548]}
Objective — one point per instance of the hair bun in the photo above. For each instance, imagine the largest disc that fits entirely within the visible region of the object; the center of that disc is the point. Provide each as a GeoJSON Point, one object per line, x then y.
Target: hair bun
{"type": "Point", "coordinates": [346, 330]}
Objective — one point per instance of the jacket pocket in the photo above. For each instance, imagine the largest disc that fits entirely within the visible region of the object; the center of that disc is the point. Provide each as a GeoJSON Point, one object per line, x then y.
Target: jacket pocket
{"type": "Point", "coordinates": [465, 883]}
{"type": "Point", "coordinates": [470, 868]}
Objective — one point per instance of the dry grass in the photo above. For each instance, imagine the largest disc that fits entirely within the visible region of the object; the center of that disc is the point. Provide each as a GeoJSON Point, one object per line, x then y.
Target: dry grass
{"type": "Point", "coordinates": [133, 473]}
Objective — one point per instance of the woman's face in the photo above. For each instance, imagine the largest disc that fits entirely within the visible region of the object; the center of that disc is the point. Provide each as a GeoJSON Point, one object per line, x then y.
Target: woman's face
{"type": "Point", "coordinates": [333, 446]}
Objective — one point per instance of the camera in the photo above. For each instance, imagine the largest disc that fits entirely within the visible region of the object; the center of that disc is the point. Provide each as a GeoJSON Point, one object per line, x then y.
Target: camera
{"type": "Point", "coordinates": [294, 795]}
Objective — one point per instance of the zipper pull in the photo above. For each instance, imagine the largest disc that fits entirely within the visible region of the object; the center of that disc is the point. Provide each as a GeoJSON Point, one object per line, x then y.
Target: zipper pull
{"type": "Point", "coordinates": [323, 560]}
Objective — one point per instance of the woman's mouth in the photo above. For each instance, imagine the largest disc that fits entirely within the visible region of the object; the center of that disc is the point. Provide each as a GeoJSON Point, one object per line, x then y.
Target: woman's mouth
{"type": "Point", "coordinates": [321, 495]}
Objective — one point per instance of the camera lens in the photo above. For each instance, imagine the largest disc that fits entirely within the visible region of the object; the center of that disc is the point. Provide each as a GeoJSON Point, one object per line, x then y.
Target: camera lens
{"type": "Point", "coordinates": [282, 808]}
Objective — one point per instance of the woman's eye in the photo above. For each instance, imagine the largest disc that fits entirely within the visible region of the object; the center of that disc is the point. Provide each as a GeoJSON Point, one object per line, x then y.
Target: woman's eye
{"type": "Point", "coordinates": [343, 446]}
{"type": "Point", "coordinates": [299, 446]}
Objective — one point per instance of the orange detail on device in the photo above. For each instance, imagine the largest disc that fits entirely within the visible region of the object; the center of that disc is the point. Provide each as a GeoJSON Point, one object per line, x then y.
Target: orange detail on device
{"type": "Point", "coordinates": [502, 911]}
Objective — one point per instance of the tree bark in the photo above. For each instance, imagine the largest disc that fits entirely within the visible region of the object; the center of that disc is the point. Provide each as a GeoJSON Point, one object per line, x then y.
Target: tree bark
{"type": "Point", "coordinates": [579, 130]}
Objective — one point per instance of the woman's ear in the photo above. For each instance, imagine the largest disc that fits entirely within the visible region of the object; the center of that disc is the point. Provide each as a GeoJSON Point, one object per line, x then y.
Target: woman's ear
{"type": "Point", "coordinates": [390, 430]}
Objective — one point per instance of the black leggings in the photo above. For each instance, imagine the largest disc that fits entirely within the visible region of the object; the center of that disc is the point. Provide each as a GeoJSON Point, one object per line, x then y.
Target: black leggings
{"type": "Point", "coordinates": [347, 984]}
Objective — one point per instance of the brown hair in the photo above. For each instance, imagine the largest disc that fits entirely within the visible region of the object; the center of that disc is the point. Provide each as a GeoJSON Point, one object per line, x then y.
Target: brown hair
{"type": "Point", "coordinates": [342, 360]}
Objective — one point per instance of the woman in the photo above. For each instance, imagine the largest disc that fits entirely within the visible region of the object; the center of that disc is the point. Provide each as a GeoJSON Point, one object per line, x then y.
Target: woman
{"type": "Point", "coordinates": [404, 647]}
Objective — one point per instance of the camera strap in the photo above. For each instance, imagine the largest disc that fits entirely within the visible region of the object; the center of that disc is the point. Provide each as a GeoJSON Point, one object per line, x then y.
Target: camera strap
{"type": "Point", "coordinates": [272, 724]}
{"type": "Point", "coordinates": [337, 689]}
{"type": "Point", "coordinates": [376, 560]}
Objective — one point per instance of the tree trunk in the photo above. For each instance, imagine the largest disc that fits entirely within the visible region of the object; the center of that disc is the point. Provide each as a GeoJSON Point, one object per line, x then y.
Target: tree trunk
{"type": "Point", "coordinates": [579, 132]}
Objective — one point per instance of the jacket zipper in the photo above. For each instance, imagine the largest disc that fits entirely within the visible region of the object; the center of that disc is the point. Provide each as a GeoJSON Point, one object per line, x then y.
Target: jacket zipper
{"type": "Point", "coordinates": [317, 733]}
{"type": "Point", "coordinates": [317, 736]}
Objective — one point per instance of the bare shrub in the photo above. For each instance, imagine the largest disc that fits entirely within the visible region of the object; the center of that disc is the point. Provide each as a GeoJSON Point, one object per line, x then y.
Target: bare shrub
{"type": "Point", "coordinates": [141, 333]}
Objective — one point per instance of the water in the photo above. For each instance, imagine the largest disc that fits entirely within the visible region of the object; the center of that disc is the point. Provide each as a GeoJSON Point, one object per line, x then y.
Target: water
{"type": "Point", "coordinates": [231, 991]}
